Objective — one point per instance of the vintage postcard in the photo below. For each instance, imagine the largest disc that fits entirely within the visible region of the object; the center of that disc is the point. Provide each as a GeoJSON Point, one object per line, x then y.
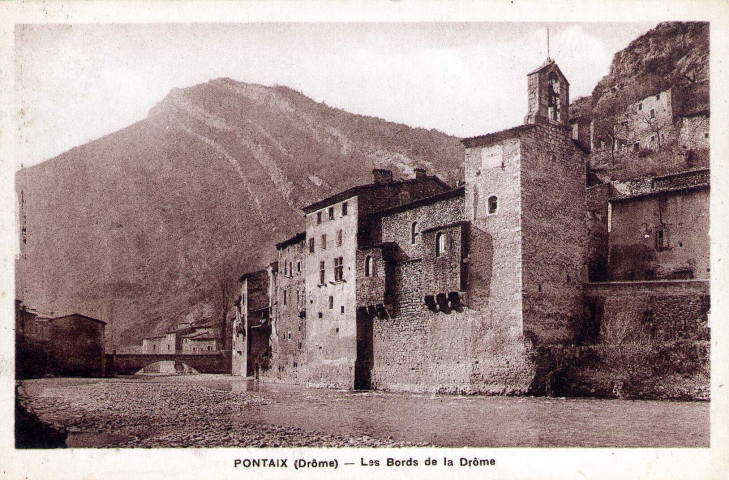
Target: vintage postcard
{"type": "Point", "coordinates": [251, 240]}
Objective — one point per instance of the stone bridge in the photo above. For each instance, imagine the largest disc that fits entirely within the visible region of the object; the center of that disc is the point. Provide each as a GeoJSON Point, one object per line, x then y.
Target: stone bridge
{"type": "Point", "coordinates": [131, 363]}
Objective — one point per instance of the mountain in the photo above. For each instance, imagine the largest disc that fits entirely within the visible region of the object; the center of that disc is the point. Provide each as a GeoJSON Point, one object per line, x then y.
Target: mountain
{"type": "Point", "coordinates": [153, 224]}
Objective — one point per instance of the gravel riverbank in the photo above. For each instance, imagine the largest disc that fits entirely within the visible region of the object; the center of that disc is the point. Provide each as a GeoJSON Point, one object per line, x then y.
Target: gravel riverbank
{"type": "Point", "coordinates": [121, 414]}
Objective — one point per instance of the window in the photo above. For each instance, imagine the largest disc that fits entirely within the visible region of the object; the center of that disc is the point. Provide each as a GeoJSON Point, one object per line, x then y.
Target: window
{"type": "Point", "coordinates": [658, 96]}
{"type": "Point", "coordinates": [168, 347]}
{"type": "Point", "coordinates": [291, 269]}
{"type": "Point", "coordinates": [298, 266]}
{"type": "Point", "coordinates": [209, 348]}
{"type": "Point", "coordinates": [653, 113]}
{"type": "Point", "coordinates": [553, 96]}
{"type": "Point", "coordinates": [344, 209]}
{"type": "Point", "coordinates": [636, 146]}
{"type": "Point", "coordinates": [661, 238]}
{"type": "Point", "coordinates": [331, 302]}
{"type": "Point", "coordinates": [706, 134]}
{"type": "Point", "coordinates": [339, 238]}
{"type": "Point", "coordinates": [414, 233]}
{"type": "Point", "coordinates": [640, 106]}
{"type": "Point", "coordinates": [321, 273]}
{"type": "Point", "coordinates": [440, 244]}
{"type": "Point", "coordinates": [653, 138]}
{"type": "Point", "coordinates": [284, 296]}
{"type": "Point", "coordinates": [341, 310]}
{"type": "Point", "coordinates": [331, 213]}
{"type": "Point", "coordinates": [321, 315]}
{"type": "Point", "coordinates": [154, 347]}
{"type": "Point", "coordinates": [324, 242]}
{"type": "Point", "coordinates": [311, 245]}
{"type": "Point", "coordinates": [369, 266]}
{"type": "Point", "coordinates": [318, 218]}
{"type": "Point", "coordinates": [289, 334]}
{"type": "Point", "coordinates": [338, 269]}
{"type": "Point", "coordinates": [493, 204]}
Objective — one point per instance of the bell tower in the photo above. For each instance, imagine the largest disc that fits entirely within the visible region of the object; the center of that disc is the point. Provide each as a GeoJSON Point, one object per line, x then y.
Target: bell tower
{"type": "Point", "coordinates": [549, 95]}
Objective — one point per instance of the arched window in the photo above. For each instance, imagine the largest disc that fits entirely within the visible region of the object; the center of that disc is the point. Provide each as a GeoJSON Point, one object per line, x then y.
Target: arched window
{"type": "Point", "coordinates": [493, 203]}
{"type": "Point", "coordinates": [553, 96]}
{"type": "Point", "coordinates": [369, 266]}
{"type": "Point", "coordinates": [440, 244]}
{"type": "Point", "coordinates": [414, 233]}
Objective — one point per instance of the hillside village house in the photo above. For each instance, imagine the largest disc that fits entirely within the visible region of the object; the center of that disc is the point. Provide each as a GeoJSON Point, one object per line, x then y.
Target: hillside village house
{"type": "Point", "coordinates": [412, 284]}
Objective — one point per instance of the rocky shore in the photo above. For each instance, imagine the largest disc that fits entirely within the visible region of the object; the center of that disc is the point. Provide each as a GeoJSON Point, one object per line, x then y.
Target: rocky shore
{"type": "Point", "coordinates": [127, 414]}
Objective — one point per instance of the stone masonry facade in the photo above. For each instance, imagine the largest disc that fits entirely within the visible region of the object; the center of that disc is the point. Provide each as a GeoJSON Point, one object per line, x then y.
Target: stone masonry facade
{"type": "Point", "coordinates": [416, 285]}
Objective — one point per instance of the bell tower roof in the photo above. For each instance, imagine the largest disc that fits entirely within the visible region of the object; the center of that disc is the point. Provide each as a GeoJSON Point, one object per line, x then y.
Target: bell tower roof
{"type": "Point", "coordinates": [548, 94]}
{"type": "Point", "coordinates": [547, 64]}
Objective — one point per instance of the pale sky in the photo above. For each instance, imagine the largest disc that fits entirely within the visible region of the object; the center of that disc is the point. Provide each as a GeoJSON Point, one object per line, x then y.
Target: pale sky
{"type": "Point", "coordinates": [76, 83]}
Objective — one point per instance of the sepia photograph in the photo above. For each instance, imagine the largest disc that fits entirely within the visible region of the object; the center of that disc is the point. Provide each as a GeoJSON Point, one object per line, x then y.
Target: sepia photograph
{"type": "Point", "coordinates": [373, 241]}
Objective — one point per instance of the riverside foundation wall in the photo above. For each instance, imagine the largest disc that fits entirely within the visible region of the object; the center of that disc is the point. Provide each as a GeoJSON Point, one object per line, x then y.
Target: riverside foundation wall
{"type": "Point", "coordinates": [650, 340]}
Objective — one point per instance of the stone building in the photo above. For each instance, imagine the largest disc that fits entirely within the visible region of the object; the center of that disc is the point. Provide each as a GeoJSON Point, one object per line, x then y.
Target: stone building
{"type": "Point", "coordinates": [78, 346]}
{"type": "Point", "coordinates": [70, 345]}
{"type": "Point", "coordinates": [415, 285]}
{"type": "Point", "coordinates": [173, 340]}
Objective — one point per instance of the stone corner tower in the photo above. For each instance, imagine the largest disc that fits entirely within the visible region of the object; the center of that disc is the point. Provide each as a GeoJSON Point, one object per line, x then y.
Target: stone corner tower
{"type": "Point", "coordinates": [549, 95]}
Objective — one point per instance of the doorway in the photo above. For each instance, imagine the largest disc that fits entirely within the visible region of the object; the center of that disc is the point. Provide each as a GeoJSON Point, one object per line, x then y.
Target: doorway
{"type": "Point", "coordinates": [365, 353]}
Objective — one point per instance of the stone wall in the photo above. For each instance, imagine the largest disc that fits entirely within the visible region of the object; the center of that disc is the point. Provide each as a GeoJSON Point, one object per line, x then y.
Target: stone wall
{"type": "Point", "coordinates": [656, 311]}
{"type": "Point", "coordinates": [660, 236]}
{"type": "Point", "coordinates": [596, 198]}
{"type": "Point", "coordinates": [331, 332]}
{"type": "Point", "coordinates": [554, 233]}
{"type": "Point", "coordinates": [451, 350]}
{"type": "Point", "coordinates": [288, 328]}
{"type": "Point", "coordinates": [694, 132]}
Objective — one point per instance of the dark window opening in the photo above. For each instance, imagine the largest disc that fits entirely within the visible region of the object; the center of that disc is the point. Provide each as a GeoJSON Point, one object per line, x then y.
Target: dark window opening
{"type": "Point", "coordinates": [653, 113]}
{"type": "Point", "coordinates": [331, 213]}
{"type": "Point", "coordinates": [414, 233]}
{"type": "Point", "coordinates": [284, 297]}
{"type": "Point", "coordinates": [338, 269]}
{"type": "Point", "coordinates": [344, 209]}
{"type": "Point", "coordinates": [324, 242]}
{"type": "Point", "coordinates": [640, 106]}
{"type": "Point", "coordinates": [298, 266]}
{"type": "Point", "coordinates": [337, 329]}
{"type": "Point", "coordinates": [331, 302]}
{"type": "Point", "coordinates": [661, 239]}
{"type": "Point", "coordinates": [493, 204]}
{"type": "Point", "coordinates": [553, 96]}
{"type": "Point", "coordinates": [339, 238]}
{"type": "Point", "coordinates": [311, 245]}
{"type": "Point", "coordinates": [540, 287]}
{"type": "Point", "coordinates": [318, 218]}
{"type": "Point", "coordinates": [636, 146]}
{"type": "Point", "coordinates": [322, 272]}
{"type": "Point", "coordinates": [342, 309]}
{"type": "Point", "coordinates": [321, 315]}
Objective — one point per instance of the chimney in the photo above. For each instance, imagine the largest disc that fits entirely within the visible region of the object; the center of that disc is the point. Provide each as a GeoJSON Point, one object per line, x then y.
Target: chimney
{"type": "Point", "coordinates": [419, 173]}
{"type": "Point", "coordinates": [381, 175]}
